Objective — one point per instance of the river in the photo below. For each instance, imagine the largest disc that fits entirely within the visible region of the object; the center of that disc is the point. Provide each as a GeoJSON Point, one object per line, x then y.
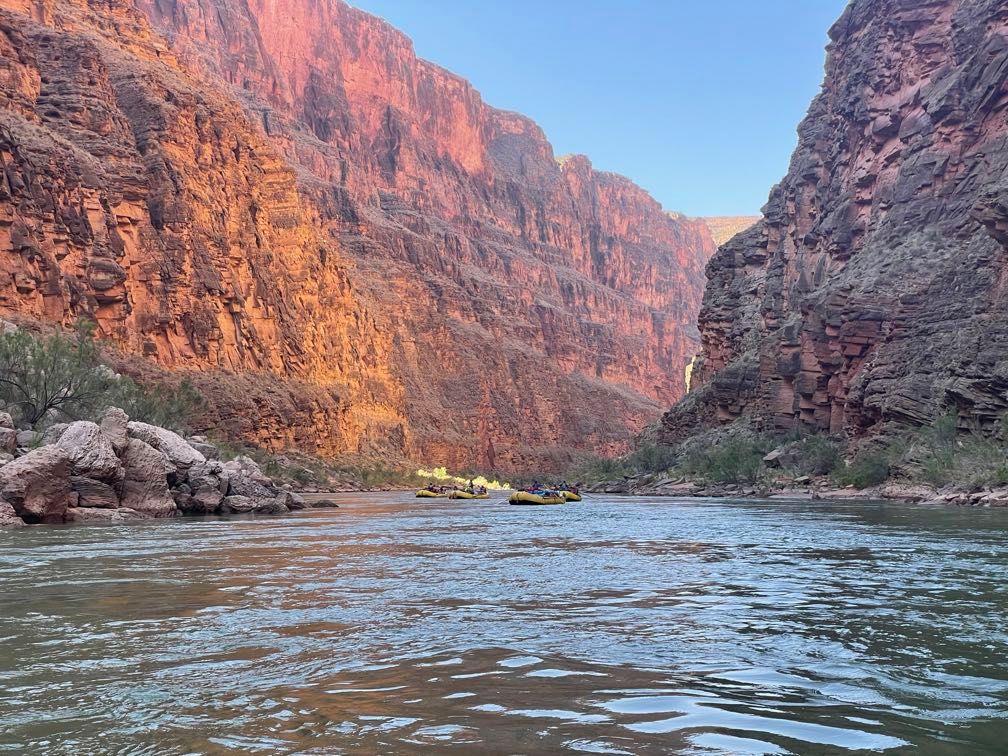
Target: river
{"type": "Point", "coordinates": [615, 625]}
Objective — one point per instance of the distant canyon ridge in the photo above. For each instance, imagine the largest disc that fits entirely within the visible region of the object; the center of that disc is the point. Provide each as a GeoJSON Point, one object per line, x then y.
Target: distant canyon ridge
{"type": "Point", "coordinates": [340, 244]}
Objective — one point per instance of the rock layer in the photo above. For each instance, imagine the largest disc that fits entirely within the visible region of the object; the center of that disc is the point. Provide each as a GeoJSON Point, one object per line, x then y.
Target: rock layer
{"type": "Point", "coordinates": [341, 243]}
{"type": "Point", "coordinates": [872, 292]}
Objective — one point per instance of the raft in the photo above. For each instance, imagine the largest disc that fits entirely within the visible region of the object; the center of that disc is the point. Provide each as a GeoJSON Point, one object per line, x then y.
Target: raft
{"type": "Point", "coordinates": [526, 498]}
{"type": "Point", "coordinates": [423, 493]}
{"type": "Point", "coordinates": [467, 495]}
{"type": "Point", "coordinates": [570, 496]}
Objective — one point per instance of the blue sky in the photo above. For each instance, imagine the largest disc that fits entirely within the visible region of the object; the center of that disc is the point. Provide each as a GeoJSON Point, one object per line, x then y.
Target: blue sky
{"type": "Point", "coordinates": [696, 101]}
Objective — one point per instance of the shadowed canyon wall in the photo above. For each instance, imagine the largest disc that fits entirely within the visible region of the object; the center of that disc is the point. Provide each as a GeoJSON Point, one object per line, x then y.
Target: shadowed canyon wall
{"type": "Point", "coordinates": [873, 291]}
{"type": "Point", "coordinates": [341, 244]}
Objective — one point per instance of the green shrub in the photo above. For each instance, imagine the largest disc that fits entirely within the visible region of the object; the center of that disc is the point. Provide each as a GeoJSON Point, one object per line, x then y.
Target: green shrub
{"type": "Point", "coordinates": [168, 406]}
{"type": "Point", "coordinates": [592, 469]}
{"type": "Point", "coordinates": [63, 376]}
{"type": "Point", "coordinates": [865, 470]}
{"type": "Point", "coordinates": [812, 455]}
{"type": "Point", "coordinates": [735, 460]}
{"type": "Point", "coordinates": [650, 457]}
{"type": "Point", "coordinates": [54, 375]}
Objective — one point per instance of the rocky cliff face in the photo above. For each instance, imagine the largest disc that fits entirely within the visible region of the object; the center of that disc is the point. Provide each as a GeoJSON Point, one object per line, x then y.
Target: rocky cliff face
{"type": "Point", "coordinates": [341, 243]}
{"type": "Point", "coordinates": [873, 291]}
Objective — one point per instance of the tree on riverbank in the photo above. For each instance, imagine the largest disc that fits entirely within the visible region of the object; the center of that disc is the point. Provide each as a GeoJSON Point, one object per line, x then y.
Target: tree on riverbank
{"type": "Point", "coordinates": [63, 377]}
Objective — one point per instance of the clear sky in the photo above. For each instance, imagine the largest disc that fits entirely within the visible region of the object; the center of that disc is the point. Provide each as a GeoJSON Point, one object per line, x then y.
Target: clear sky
{"type": "Point", "coordinates": [695, 100]}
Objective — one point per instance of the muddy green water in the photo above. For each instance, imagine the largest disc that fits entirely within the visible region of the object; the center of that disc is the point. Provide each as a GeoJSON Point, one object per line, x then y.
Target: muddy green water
{"type": "Point", "coordinates": [612, 626]}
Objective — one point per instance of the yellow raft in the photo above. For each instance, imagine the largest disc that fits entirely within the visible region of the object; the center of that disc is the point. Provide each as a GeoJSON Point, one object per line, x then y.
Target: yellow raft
{"type": "Point", "coordinates": [423, 493]}
{"type": "Point", "coordinates": [570, 496]}
{"type": "Point", "coordinates": [467, 495]}
{"type": "Point", "coordinates": [526, 498]}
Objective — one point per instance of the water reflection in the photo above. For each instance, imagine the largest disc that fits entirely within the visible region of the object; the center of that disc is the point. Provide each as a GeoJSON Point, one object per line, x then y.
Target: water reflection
{"type": "Point", "coordinates": [606, 627]}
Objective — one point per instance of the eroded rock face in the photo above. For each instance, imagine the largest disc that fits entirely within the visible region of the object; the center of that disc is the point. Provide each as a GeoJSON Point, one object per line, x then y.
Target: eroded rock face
{"type": "Point", "coordinates": [341, 245]}
{"type": "Point", "coordinates": [873, 291]}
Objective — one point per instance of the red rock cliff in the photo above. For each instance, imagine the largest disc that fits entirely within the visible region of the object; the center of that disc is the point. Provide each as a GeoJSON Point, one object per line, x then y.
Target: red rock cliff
{"type": "Point", "coordinates": [350, 246]}
{"type": "Point", "coordinates": [873, 290]}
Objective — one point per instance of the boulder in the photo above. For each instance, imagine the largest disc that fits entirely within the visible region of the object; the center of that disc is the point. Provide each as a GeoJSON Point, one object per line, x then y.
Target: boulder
{"type": "Point", "coordinates": [773, 459]}
{"type": "Point", "coordinates": [174, 447]}
{"type": "Point", "coordinates": [242, 485]}
{"type": "Point", "coordinates": [26, 439]}
{"type": "Point", "coordinates": [37, 485]}
{"type": "Point", "coordinates": [237, 505]}
{"type": "Point", "coordinates": [53, 433]}
{"type": "Point", "coordinates": [209, 474]}
{"type": "Point", "coordinates": [145, 485]}
{"type": "Point", "coordinates": [206, 501]}
{"type": "Point", "coordinates": [8, 440]}
{"type": "Point", "coordinates": [292, 501]}
{"type": "Point", "coordinates": [84, 515]}
{"type": "Point", "coordinates": [91, 453]}
{"type": "Point", "coordinates": [252, 505]}
{"type": "Point", "coordinates": [324, 504]}
{"type": "Point", "coordinates": [114, 425]}
{"type": "Point", "coordinates": [248, 467]}
{"type": "Point", "coordinates": [207, 450]}
{"type": "Point", "coordinates": [6, 421]}
{"type": "Point", "coordinates": [94, 494]}
{"type": "Point", "coordinates": [8, 517]}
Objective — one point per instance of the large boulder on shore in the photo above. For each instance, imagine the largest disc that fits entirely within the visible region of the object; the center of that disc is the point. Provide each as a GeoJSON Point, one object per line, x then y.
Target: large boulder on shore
{"type": "Point", "coordinates": [145, 486]}
{"type": "Point", "coordinates": [174, 447]}
{"type": "Point", "coordinates": [91, 453]}
{"type": "Point", "coordinates": [252, 505]}
{"type": "Point", "coordinates": [8, 517]}
{"type": "Point", "coordinates": [37, 485]}
{"type": "Point", "coordinates": [8, 440]}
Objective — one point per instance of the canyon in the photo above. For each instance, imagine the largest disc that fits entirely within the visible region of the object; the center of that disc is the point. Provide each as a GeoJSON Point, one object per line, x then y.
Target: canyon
{"type": "Point", "coordinates": [339, 244]}
{"type": "Point", "coordinates": [871, 296]}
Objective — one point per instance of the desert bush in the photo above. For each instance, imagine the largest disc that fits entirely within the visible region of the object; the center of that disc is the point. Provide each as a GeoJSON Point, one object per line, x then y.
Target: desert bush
{"type": "Point", "coordinates": [168, 406]}
{"type": "Point", "coordinates": [812, 455]}
{"type": "Point", "coordinates": [591, 469]}
{"type": "Point", "coordinates": [734, 460]}
{"type": "Point", "coordinates": [941, 454]}
{"type": "Point", "coordinates": [62, 376]}
{"type": "Point", "coordinates": [651, 457]}
{"type": "Point", "coordinates": [865, 470]}
{"type": "Point", "coordinates": [53, 375]}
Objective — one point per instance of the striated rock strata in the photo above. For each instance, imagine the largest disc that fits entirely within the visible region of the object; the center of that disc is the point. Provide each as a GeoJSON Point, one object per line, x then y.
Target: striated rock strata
{"type": "Point", "coordinates": [341, 244]}
{"type": "Point", "coordinates": [873, 291]}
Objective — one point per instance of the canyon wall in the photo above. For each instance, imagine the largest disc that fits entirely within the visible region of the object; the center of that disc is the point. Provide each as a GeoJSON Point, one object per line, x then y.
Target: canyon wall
{"type": "Point", "coordinates": [872, 294]}
{"type": "Point", "coordinates": [339, 243]}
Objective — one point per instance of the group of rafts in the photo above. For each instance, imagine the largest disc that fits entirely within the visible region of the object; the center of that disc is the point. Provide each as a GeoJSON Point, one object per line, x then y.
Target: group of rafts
{"type": "Point", "coordinates": [532, 496]}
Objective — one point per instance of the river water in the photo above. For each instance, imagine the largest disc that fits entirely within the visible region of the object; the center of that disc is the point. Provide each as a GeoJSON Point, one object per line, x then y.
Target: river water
{"type": "Point", "coordinates": [394, 625]}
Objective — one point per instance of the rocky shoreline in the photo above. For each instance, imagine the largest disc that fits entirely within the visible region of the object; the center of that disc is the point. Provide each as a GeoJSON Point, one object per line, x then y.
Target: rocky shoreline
{"type": "Point", "coordinates": [118, 470]}
{"type": "Point", "coordinates": [805, 488]}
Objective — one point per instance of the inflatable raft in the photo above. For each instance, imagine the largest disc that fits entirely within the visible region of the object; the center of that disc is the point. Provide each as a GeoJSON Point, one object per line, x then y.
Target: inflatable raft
{"type": "Point", "coordinates": [467, 495]}
{"type": "Point", "coordinates": [546, 497]}
{"type": "Point", "coordinates": [570, 496]}
{"type": "Point", "coordinates": [424, 493]}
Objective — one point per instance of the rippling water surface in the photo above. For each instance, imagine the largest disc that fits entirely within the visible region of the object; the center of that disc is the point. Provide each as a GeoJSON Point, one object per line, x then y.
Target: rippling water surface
{"type": "Point", "coordinates": [610, 626]}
